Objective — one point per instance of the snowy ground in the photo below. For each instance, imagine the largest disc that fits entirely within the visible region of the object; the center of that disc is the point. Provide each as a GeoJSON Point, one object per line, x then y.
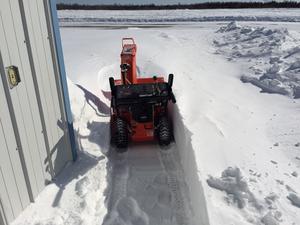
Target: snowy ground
{"type": "Point", "coordinates": [274, 66]}
{"type": "Point", "coordinates": [236, 159]}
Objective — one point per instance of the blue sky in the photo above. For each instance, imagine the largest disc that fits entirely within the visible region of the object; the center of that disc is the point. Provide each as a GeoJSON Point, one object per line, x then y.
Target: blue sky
{"type": "Point", "coordinates": [138, 1]}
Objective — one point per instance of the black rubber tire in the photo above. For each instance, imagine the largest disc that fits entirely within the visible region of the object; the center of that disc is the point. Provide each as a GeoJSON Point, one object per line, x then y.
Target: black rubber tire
{"type": "Point", "coordinates": [112, 85]}
{"type": "Point", "coordinates": [121, 136]}
{"type": "Point", "coordinates": [164, 132]}
{"type": "Point", "coordinates": [112, 131]}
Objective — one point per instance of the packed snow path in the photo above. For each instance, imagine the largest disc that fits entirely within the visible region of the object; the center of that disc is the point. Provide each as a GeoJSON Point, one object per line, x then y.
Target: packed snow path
{"type": "Point", "coordinates": [146, 187]}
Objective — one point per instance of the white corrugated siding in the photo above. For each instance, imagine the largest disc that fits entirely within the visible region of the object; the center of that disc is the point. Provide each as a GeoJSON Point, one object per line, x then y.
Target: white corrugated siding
{"type": "Point", "coordinates": [32, 114]}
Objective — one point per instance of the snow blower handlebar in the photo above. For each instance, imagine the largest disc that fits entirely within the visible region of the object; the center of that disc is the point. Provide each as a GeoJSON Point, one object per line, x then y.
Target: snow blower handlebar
{"type": "Point", "coordinates": [167, 86]}
{"type": "Point", "coordinates": [170, 84]}
{"type": "Point", "coordinates": [126, 40]}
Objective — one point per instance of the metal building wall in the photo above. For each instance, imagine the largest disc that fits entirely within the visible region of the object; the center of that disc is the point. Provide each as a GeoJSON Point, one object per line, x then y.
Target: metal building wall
{"type": "Point", "coordinates": [39, 32]}
{"type": "Point", "coordinates": [34, 134]}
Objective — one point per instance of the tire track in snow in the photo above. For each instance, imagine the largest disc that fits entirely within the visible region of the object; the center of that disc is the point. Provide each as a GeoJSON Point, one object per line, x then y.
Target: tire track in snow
{"type": "Point", "coordinates": [119, 177]}
{"type": "Point", "coordinates": [146, 187]}
{"type": "Point", "coordinates": [176, 184]}
{"type": "Point", "coordinates": [117, 182]}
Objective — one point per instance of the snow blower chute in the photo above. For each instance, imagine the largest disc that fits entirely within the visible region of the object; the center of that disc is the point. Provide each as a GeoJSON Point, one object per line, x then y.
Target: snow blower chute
{"type": "Point", "coordinates": [139, 106]}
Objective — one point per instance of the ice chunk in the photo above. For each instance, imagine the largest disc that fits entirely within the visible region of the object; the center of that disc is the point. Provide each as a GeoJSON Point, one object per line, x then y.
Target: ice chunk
{"type": "Point", "coordinates": [295, 174]}
{"type": "Point", "coordinates": [275, 68]}
{"type": "Point", "coordinates": [235, 186]}
{"type": "Point", "coordinates": [296, 94]}
{"type": "Point", "coordinates": [295, 199]}
{"type": "Point", "coordinates": [269, 219]}
{"type": "Point", "coordinates": [231, 26]}
{"type": "Point", "coordinates": [295, 65]}
{"type": "Point", "coordinates": [266, 85]}
{"type": "Point", "coordinates": [271, 198]}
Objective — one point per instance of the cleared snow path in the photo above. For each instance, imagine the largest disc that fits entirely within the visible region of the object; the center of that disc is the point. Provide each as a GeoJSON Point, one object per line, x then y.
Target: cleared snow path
{"type": "Point", "coordinates": [146, 187]}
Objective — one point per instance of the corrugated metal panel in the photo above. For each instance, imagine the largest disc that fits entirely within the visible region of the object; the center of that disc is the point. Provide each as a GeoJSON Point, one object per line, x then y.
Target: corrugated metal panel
{"type": "Point", "coordinates": [3, 220]}
{"type": "Point", "coordinates": [47, 83]}
{"type": "Point", "coordinates": [32, 114]}
{"type": "Point", "coordinates": [14, 52]}
{"type": "Point", "coordinates": [12, 181]}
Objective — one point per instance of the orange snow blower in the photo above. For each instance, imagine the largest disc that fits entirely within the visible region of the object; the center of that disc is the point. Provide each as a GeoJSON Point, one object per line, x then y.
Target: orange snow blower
{"type": "Point", "coordinates": [139, 106]}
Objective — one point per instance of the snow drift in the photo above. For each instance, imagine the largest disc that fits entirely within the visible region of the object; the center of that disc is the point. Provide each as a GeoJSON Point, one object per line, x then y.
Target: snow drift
{"type": "Point", "coordinates": [187, 158]}
{"type": "Point", "coordinates": [234, 185]}
{"type": "Point", "coordinates": [271, 55]}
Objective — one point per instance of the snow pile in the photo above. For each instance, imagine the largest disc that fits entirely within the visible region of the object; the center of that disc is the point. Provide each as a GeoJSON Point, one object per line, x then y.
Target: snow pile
{"type": "Point", "coordinates": [271, 56]}
{"type": "Point", "coordinates": [269, 219]}
{"type": "Point", "coordinates": [236, 187]}
{"type": "Point", "coordinates": [233, 184]}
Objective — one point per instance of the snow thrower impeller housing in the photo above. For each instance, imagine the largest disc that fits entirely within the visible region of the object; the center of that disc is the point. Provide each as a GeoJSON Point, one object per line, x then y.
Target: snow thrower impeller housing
{"type": "Point", "coordinates": [139, 106]}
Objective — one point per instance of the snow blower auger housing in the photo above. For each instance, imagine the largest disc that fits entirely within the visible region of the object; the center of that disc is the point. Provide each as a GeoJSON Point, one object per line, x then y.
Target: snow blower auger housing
{"type": "Point", "coordinates": [139, 106]}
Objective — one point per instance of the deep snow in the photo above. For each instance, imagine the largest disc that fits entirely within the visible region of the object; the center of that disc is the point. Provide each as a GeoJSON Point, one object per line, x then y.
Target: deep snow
{"type": "Point", "coordinates": [236, 156]}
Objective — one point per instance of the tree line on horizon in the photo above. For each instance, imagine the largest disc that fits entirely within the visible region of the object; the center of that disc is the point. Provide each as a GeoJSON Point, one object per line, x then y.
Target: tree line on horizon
{"type": "Point", "coordinates": [206, 5]}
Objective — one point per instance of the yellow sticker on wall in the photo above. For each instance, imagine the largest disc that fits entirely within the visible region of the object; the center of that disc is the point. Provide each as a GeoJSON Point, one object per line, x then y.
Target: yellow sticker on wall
{"type": "Point", "coordinates": [13, 76]}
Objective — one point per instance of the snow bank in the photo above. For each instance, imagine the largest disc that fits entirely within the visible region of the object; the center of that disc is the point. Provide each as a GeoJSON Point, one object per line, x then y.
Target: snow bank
{"type": "Point", "coordinates": [190, 167]}
{"type": "Point", "coordinates": [238, 192]}
{"type": "Point", "coordinates": [271, 55]}
{"type": "Point", "coordinates": [69, 17]}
